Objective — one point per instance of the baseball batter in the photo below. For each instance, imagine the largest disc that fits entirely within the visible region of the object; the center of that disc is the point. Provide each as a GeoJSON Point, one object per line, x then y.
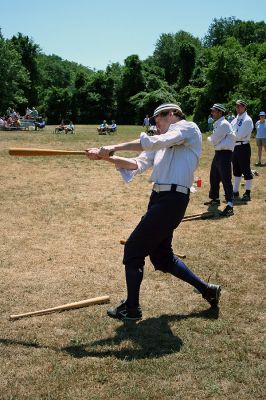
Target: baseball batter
{"type": "Point", "coordinates": [173, 154]}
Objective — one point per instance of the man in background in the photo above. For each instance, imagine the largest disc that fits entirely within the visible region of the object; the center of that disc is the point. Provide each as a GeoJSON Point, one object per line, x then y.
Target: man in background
{"type": "Point", "coordinates": [242, 126]}
{"type": "Point", "coordinates": [223, 141]}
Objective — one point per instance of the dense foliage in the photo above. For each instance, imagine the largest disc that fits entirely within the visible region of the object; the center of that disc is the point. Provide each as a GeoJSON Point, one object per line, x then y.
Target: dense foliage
{"type": "Point", "coordinates": [228, 63]}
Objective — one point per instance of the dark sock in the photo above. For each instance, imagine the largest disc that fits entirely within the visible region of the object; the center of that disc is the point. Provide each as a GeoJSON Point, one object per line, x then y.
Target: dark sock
{"type": "Point", "coordinates": [134, 278]}
{"type": "Point", "coordinates": [181, 271]}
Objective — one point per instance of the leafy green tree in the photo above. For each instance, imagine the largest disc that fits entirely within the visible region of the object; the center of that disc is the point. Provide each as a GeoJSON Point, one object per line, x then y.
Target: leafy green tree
{"type": "Point", "coordinates": [168, 52]}
{"type": "Point", "coordinates": [145, 102]}
{"type": "Point", "coordinates": [13, 78]}
{"type": "Point", "coordinates": [246, 32]}
{"type": "Point", "coordinates": [57, 105]}
{"type": "Point", "coordinates": [28, 51]}
{"type": "Point", "coordinates": [132, 82]}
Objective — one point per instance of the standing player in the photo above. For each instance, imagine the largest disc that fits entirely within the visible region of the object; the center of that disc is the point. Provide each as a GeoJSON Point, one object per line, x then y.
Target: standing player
{"type": "Point", "coordinates": [242, 126]}
{"type": "Point", "coordinates": [173, 154]}
{"type": "Point", "coordinates": [223, 140]}
{"type": "Point", "coordinates": [261, 136]}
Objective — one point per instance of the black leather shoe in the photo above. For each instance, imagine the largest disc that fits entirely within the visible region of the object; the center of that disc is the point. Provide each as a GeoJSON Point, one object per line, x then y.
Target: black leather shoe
{"type": "Point", "coordinates": [236, 195]}
{"type": "Point", "coordinates": [125, 313]}
{"type": "Point", "coordinates": [212, 294]}
{"type": "Point", "coordinates": [246, 197]}
{"type": "Point", "coordinates": [227, 212]}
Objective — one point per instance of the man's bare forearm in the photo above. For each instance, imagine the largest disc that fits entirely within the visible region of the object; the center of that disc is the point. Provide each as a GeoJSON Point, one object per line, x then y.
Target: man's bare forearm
{"type": "Point", "coordinates": [106, 151]}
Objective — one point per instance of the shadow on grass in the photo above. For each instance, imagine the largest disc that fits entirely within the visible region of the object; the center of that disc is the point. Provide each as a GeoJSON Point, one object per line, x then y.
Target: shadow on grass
{"type": "Point", "coordinates": [150, 338]}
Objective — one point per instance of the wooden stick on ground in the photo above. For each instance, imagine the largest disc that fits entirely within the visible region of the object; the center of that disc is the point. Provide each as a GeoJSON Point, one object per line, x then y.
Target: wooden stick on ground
{"type": "Point", "coordinates": [64, 307]}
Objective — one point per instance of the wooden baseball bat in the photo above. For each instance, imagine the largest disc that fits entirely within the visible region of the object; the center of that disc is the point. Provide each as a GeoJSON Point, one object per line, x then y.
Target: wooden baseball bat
{"type": "Point", "coordinates": [64, 307]}
{"type": "Point", "coordinates": [178, 255]}
{"type": "Point", "coordinates": [30, 152]}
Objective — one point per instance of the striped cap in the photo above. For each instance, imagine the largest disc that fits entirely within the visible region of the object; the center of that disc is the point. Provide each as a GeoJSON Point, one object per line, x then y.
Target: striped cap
{"type": "Point", "coordinates": [218, 106]}
{"type": "Point", "coordinates": [166, 107]}
{"type": "Point", "coordinates": [241, 102]}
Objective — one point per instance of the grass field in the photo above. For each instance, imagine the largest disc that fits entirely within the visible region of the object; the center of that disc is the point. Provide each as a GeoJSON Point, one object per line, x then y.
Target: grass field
{"type": "Point", "coordinates": [61, 220]}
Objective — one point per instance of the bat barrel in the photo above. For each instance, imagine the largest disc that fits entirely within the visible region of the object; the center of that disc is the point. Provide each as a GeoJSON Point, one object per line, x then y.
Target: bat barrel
{"type": "Point", "coordinates": [30, 152]}
{"type": "Point", "coordinates": [64, 307]}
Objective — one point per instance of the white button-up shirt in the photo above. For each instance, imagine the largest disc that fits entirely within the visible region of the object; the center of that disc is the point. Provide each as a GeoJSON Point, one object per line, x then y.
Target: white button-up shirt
{"type": "Point", "coordinates": [223, 136]}
{"type": "Point", "coordinates": [242, 126]}
{"type": "Point", "coordinates": [173, 155]}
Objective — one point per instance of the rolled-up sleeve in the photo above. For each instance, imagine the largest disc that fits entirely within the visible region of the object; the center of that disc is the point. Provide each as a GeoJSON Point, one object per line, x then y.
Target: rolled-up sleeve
{"type": "Point", "coordinates": [158, 142]}
{"type": "Point", "coordinates": [144, 161]}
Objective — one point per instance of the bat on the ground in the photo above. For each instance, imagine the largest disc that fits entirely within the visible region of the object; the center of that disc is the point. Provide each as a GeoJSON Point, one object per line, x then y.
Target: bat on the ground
{"type": "Point", "coordinates": [64, 307]}
{"type": "Point", "coordinates": [31, 152]}
{"type": "Point", "coordinates": [205, 215]}
{"type": "Point", "coordinates": [123, 242]}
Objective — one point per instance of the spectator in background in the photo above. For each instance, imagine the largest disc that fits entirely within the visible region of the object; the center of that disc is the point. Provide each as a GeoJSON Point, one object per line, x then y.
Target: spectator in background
{"type": "Point", "coordinates": [210, 122]}
{"type": "Point", "coordinates": [34, 113]}
{"type": "Point", "coordinates": [27, 113]}
{"type": "Point", "coordinates": [261, 136]}
{"type": "Point", "coordinates": [60, 128]}
{"type": "Point", "coordinates": [230, 117]}
{"type": "Point", "coordinates": [146, 123]}
{"type": "Point", "coordinates": [113, 127]}
{"type": "Point", "coordinates": [102, 130]}
{"type": "Point", "coordinates": [39, 124]}
{"type": "Point", "coordinates": [69, 128]}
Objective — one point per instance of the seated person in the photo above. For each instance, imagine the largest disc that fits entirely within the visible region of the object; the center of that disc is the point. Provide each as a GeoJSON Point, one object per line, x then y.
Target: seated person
{"type": "Point", "coordinates": [113, 127]}
{"type": "Point", "coordinates": [2, 122]}
{"type": "Point", "coordinates": [70, 127]}
{"type": "Point", "coordinates": [60, 128]}
{"type": "Point", "coordinates": [15, 122]}
{"type": "Point", "coordinates": [103, 128]}
{"type": "Point", "coordinates": [27, 113]}
{"type": "Point", "coordinates": [39, 124]}
{"type": "Point", "coordinates": [34, 113]}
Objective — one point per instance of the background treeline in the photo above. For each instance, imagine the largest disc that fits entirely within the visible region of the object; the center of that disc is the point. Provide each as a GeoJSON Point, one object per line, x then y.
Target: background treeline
{"type": "Point", "coordinates": [228, 63]}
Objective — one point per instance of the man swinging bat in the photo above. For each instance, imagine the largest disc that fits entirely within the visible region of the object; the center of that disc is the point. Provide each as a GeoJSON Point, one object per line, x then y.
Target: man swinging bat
{"type": "Point", "coordinates": [173, 154]}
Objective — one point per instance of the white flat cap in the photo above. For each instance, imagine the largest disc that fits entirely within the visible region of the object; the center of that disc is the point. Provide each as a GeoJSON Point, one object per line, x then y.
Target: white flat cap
{"type": "Point", "coordinates": [166, 107]}
{"type": "Point", "coordinates": [218, 106]}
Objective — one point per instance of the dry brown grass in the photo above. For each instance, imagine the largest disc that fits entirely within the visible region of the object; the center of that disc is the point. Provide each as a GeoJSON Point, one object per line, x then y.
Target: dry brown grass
{"type": "Point", "coordinates": [61, 221]}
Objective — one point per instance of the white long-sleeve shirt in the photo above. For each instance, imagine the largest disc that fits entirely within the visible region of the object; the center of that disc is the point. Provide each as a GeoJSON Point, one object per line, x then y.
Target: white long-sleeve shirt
{"type": "Point", "coordinates": [242, 126]}
{"type": "Point", "coordinates": [223, 136]}
{"type": "Point", "coordinates": [173, 155]}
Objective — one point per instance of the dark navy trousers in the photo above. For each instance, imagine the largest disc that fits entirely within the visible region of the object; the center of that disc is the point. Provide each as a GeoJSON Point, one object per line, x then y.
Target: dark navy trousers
{"type": "Point", "coordinates": [241, 161]}
{"type": "Point", "coordinates": [153, 237]}
{"type": "Point", "coordinates": [221, 171]}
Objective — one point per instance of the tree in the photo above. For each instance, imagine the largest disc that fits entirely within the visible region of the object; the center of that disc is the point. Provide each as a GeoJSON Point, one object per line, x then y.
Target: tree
{"type": "Point", "coordinates": [57, 105]}
{"type": "Point", "coordinates": [28, 51]}
{"type": "Point", "coordinates": [132, 83]}
{"type": "Point", "coordinates": [167, 54]}
{"type": "Point", "coordinates": [145, 103]}
{"type": "Point", "coordinates": [13, 78]}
